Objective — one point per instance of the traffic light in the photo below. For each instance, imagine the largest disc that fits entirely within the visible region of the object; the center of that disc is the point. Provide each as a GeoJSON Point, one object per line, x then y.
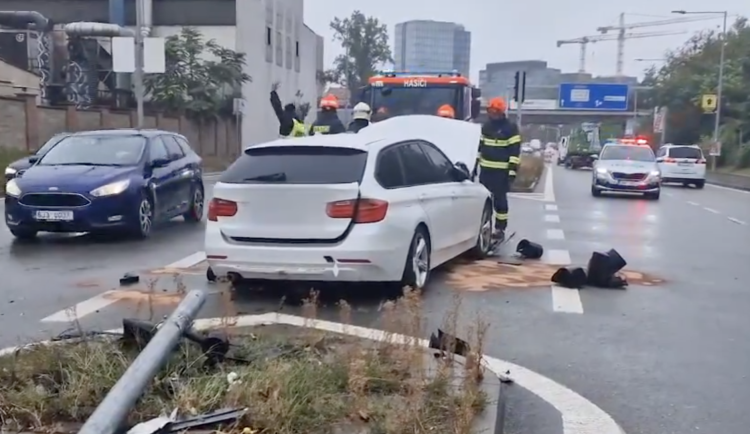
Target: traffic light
{"type": "Point", "coordinates": [519, 88]}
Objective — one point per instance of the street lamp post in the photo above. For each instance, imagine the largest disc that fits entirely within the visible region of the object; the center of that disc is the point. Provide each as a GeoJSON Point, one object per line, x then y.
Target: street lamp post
{"type": "Point", "coordinates": [720, 84]}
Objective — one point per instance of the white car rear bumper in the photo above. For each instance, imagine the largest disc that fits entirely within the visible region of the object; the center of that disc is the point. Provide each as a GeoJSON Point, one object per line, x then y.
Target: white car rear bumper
{"type": "Point", "coordinates": [366, 255]}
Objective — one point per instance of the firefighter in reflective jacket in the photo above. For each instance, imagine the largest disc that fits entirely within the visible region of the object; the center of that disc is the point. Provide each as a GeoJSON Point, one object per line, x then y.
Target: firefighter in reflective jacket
{"type": "Point", "coordinates": [290, 125]}
{"type": "Point", "coordinates": [499, 150]}
{"type": "Point", "coordinates": [328, 121]}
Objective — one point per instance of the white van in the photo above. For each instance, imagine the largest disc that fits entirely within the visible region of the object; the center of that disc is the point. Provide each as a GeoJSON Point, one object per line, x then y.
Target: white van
{"type": "Point", "coordinates": [683, 164]}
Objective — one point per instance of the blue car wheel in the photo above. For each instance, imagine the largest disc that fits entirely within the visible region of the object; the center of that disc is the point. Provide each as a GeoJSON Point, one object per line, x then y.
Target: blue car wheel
{"type": "Point", "coordinates": [144, 213]}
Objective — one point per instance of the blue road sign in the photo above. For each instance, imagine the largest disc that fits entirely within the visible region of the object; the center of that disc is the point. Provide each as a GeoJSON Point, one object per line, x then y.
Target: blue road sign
{"type": "Point", "coordinates": [593, 96]}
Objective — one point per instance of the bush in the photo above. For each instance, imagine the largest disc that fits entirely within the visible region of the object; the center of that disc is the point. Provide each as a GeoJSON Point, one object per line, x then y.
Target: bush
{"type": "Point", "coordinates": [528, 173]}
{"type": "Point", "coordinates": [8, 156]}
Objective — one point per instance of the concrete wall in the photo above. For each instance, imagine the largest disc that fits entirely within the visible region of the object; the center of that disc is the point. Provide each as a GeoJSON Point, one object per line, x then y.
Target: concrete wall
{"type": "Point", "coordinates": [269, 32]}
{"type": "Point", "coordinates": [13, 80]}
{"type": "Point", "coordinates": [25, 126]}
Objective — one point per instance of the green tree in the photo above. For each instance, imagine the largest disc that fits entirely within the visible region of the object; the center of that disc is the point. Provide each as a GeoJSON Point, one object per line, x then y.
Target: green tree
{"type": "Point", "coordinates": [192, 84]}
{"type": "Point", "coordinates": [692, 71]}
{"type": "Point", "coordinates": [365, 43]}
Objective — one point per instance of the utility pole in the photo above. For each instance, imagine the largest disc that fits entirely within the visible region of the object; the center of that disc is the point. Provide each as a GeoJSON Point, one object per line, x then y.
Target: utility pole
{"type": "Point", "coordinates": [621, 47]}
{"type": "Point", "coordinates": [139, 60]}
{"type": "Point", "coordinates": [519, 94]}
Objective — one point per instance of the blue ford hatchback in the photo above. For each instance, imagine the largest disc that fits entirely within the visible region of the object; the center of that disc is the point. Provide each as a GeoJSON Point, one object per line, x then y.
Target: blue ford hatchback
{"type": "Point", "coordinates": [107, 181]}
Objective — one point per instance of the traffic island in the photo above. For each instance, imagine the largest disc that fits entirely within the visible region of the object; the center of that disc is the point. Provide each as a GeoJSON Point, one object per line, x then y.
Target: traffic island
{"type": "Point", "coordinates": [285, 378]}
{"type": "Point", "coordinates": [529, 173]}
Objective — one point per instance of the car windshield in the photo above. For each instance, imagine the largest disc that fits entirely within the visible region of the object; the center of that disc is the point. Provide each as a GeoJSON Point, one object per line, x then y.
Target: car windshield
{"type": "Point", "coordinates": [635, 153]}
{"type": "Point", "coordinates": [94, 150]}
{"type": "Point", "coordinates": [50, 143]}
{"type": "Point", "coordinates": [415, 100]}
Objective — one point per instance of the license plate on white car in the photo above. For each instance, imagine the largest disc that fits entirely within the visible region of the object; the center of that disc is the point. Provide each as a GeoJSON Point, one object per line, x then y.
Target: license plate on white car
{"type": "Point", "coordinates": [685, 163]}
{"type": "Point", "coordinates": [628, 183]}
{"type": "Point", "coordinates": [54, 216]}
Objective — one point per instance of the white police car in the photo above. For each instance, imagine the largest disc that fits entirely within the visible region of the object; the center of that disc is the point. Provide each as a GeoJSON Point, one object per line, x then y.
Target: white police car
{"type": "Point", "coordinates": [625, 168]}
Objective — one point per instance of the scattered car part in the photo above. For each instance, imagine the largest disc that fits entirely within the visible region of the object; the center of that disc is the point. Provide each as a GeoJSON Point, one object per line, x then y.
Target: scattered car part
{"type": "Point", "coordinates": [210, 276]}
{"type": "Point", "coordinates": [570, 277]}
{"type": "Point", "coordinates": [155, 425]}
{"type": "Point", "coordinates": [205, 420]}
{"type": "Point", "coordinates": [603, 268]}
{"type": "Point", "coordinates": [446, 342]}
{"type": "Point", "coordinates": [129, 279]}
{"type": "Point", "coordinates": [529, 250]}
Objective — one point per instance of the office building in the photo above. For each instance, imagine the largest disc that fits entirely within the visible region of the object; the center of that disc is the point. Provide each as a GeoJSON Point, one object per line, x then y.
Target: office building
{"type": "Point", "coordinates": [423, 46]}
{"type": "Point", "coordinates": [279, 47]}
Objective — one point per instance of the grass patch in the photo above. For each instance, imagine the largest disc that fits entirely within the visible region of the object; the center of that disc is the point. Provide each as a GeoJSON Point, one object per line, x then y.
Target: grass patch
{"type": "Point", "coordinates": [528, 173]}
{"type": "Point", "coordinates": [734, 171]}
{"type": "Point", "coordinates": [8, 156]}
{"type": "Point", "coordinates": [299, 381]}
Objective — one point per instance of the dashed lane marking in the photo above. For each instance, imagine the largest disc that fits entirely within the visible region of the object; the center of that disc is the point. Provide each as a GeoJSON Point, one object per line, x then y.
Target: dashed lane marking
{"type": "Point", "coordinates": [738, 221]}
{"type": "Point", "coordinates": [711, 210]}
{"type": "Point", "coordinates": [550, 207]}
{"type": "Point", "coordinates": [552, 218]}
{"type": "Point", "coordinates": [555, 234]}
{"type": "Point", "coordinates": [564, 300]}
{"type": "Point", "coordinates": [693, 203]}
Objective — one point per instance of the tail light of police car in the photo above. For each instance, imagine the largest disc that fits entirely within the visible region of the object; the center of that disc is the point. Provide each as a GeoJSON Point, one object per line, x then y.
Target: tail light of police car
{"type": "Point", "coordinates": [362, 210]}
{"type": "Point", "coordinates": [221, 208]}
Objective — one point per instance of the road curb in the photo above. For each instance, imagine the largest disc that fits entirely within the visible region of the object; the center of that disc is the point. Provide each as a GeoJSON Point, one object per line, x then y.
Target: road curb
{"type": "Point", "coordinates": [728, 180]}
{"type": "Point", "coordinates": [578, 414]}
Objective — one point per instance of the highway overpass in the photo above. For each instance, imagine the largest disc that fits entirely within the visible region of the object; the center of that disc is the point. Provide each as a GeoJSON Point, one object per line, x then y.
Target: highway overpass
{"type": "Point", "coordinates": [567, 117]}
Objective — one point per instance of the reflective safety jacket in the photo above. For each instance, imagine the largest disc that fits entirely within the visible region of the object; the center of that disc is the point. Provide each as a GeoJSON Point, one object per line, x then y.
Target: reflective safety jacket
{"type": "Point", "coordinates": [500, 146]}
{"type": "Point", "coordinates": [298, 130]}
{"type": "Point", "coordinates": [328, 122]}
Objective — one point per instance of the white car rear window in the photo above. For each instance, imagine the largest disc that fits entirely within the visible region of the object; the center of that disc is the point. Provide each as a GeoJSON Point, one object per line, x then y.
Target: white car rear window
{"type": "Point", "coordinates": [297, 165]}
{"type": "Point", "coordinates": [685, 152]}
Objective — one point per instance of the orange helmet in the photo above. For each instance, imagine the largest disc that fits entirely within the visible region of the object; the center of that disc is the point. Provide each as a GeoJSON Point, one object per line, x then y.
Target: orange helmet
{"type": "Point", "coordinates": [446, 111]}
{"type": "Point", "coordinates": [329, 102]}
{"type": "Point", "coordinates": [497, 105]}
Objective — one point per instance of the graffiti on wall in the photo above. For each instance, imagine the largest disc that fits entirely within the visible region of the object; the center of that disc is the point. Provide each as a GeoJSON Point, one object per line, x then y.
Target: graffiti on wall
{"type": "Point", "coordinates": [80, 76]}
{"type": "Point", "coordinates": [44, 59]}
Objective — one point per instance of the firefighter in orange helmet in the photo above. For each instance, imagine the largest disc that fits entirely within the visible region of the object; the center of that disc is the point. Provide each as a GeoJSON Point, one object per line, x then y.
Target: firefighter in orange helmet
{"type": "Point", "coordinates": [328, 121]}
{"type": "Point", "coordinates": [499, 157]}
{"type": "Point", "coordinates": [446, 111]}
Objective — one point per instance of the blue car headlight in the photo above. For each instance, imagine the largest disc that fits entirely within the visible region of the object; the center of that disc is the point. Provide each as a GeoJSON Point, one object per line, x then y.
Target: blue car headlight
{"type": "Point", "coordinates": [12, 189]}
{"type": "Point", "coordinates": [111, 189]}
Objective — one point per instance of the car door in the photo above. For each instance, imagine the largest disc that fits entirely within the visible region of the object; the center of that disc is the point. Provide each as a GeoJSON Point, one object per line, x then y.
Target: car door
{"type": "Point", "coordinates": [161, 180]}
{"type": "Point", "coordinates": [467, 200]}
{"type": "Point", "coordinates": [429, 186]}
{"type": "Point", "coordinates": [182, 172]}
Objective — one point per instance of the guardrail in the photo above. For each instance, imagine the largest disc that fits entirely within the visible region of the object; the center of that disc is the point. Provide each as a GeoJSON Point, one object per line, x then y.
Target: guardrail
{"type": "Point", "coordinates": [729, 180]}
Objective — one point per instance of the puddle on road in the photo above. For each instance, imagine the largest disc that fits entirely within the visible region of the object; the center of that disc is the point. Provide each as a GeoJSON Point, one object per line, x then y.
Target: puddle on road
{"type": "Point", "coordinates": [488, 274]}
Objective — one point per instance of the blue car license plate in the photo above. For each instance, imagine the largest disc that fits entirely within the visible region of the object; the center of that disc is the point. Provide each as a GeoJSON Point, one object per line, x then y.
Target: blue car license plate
{"type": "Point", "coordinates": [54, 216]}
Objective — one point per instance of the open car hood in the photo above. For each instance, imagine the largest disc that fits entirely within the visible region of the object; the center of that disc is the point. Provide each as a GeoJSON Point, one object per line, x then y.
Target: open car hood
{"type": "Point", "coordinates": [459, 140]}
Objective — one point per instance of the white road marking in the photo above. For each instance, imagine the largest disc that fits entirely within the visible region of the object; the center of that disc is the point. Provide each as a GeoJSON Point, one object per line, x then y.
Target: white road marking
{"type": "Point", "coordinates": [82, 309]}
{"type": "Point", "coordinates": [555, 234]}
{"type": "Point", "coordinates": [550, 207]}
{"type": "Point", "coordinates": [566, 300]}
{"type": "Point", "coordinates": [711, 210]}
{"type": "Point", "coordinates": [719, 187]}
{"type": "Point", "coordinates": [552, 218]}
{"type": "Point", "coordinates": [693, 203]}
{"type": "Point", "coordinates": [101, 301]}
{"type": "Point", "coordinates": [738, 221]}
{"type": "Point", "coordinates": [556, 257]}
{"type": "Point", "coordinates": [579, 415]}
{"type": "Point", "coordinates": [549, 184]}
{"type": "Point", "coordinates": [188, 261]}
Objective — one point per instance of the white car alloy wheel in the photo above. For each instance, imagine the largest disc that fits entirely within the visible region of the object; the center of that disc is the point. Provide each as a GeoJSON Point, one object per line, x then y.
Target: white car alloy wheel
{"type": "Point", "coordinates": [420, 260]}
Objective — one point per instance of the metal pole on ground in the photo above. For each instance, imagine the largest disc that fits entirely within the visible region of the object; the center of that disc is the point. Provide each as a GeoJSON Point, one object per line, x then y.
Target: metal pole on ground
{"type": "Point", "coordinates": [110, 415]}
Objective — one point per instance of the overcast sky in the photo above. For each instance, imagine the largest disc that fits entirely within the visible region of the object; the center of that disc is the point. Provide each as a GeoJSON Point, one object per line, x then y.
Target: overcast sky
{"type": "Point", "coordinates": [528, 29]}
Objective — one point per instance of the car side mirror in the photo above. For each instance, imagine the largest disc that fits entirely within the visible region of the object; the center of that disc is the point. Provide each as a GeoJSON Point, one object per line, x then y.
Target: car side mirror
{"type": "Point", "coordinates": [476, 93]}
{"type": "Point", "coordinates": [33, 159]}
{"type": "Point", "coordinates": [159, 162]}
{"type": "Point", "coordinates": [594, 157]}
{"type": "Point", "coordinates": [460, 172]}
{"type": "Point", "coordinates": [476, 108]}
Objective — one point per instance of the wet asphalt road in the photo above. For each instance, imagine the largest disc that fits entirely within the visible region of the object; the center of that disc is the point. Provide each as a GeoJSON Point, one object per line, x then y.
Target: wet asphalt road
{"type": "Point", "coordinates": [665, 359]}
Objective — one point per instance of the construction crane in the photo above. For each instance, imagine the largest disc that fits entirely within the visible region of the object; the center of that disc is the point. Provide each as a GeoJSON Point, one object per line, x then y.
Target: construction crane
{"type": "Point", "coordinates": [585, 40]}
{"type": "Point", "coordinates": [622, 28]}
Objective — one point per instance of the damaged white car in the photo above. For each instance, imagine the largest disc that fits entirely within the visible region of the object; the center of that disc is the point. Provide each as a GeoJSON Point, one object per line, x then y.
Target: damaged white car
{"type": "Point", "coordinates": [386, 205]}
